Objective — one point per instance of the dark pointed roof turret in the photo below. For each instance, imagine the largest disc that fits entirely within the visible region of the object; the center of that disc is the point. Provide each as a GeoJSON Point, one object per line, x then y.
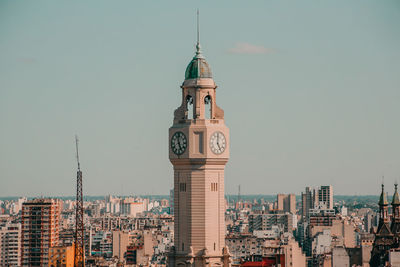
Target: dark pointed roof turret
{"type": "Point", "coordinates": [396, 198]}
{"type": "Point", "coordinates": [383, 199]}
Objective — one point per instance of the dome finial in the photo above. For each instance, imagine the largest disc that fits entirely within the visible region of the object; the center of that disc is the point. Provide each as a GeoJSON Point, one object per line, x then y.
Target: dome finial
{"type": "Point", "coordinates": [198, 67]}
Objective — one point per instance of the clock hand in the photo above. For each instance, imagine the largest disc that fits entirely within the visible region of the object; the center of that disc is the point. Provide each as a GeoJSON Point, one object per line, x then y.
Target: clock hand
{"type": "Point", "coordinates": [177, 143]}
{"type": "Point", "coordinates": [181, 141]}
{"type": "Point", "coordinates": [218, 142]}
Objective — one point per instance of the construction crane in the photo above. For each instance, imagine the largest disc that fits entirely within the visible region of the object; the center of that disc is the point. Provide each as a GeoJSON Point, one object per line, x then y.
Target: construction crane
{"type": "Point", "coordinates": [79, 258]}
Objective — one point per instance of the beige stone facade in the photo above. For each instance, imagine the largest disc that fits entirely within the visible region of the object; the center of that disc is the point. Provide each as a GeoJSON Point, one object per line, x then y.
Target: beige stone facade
{"type": "Point", "coordinates": [10, 244]}
{"type": "Point", "coordinates": [341, 230]}
{"type": "Point", "coordinates": [120, 241]}
{"type": "Point", "coordinates": [199, 150]}
{"type": "Point", "coordinates": [286, 203]}
{"type": "Point", "coordinates": [294, 256]}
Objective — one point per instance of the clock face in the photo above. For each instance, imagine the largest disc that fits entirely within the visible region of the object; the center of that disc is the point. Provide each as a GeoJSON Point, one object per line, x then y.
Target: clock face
{"type": "Point", "coordinates": [178, 143]}
{"type": "Point", "coordinates": [217, 143]}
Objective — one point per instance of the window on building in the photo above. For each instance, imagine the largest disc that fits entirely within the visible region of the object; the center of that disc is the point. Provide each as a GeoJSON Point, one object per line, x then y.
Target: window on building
{"type": "Point", "coordinates": [214, 187]}
{"type": "Point", "coordinates": [182, 187]}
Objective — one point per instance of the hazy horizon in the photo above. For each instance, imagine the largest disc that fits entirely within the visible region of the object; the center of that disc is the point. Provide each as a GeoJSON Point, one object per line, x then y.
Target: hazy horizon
{"type": "Point", "coordinates": [233, 196]}
{"type": "Point", "coordinates": [310, 92]}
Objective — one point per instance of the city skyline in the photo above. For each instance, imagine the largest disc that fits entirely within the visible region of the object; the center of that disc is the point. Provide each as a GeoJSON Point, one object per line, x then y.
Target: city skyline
{"type": "Point", "coordinates": [311, 94]}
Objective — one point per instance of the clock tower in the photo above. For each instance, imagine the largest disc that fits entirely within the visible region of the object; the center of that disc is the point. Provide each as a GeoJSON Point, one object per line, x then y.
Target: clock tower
{"type": "Point", "coordinates": [198, 151]}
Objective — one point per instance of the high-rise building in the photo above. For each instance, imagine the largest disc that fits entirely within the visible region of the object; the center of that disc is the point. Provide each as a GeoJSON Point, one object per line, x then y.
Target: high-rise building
{"type": "Point", "coordinates": [120, 242]}
{"type": "Point", "coordinates": [262, 222]}
{"type": "Point", "coordinates": [307, 201]}
{"type": "Point", "coordinates": [290, 204]}
{"type": "Point", "coordinates": [316, 198]}
{"type": "Point", "coordinates": [131, 207]}
{"type": "Point", "coordinates": [286, 203]}
{"type": "Point", "coordinates": [10, 244]}
{"type": "Point", "coordinates": [199, 150]}
{"type": "Point", "coordinates": [40, 230]}
{"type": "Point", "coordinates": [325, 197]}
{"type": "Point", "coordinates": [280, 199]}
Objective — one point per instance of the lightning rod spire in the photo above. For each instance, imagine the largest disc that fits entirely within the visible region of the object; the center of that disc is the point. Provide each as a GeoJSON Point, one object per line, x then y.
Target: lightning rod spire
{"type": "Point", "coordinates": [198, 27]}
{"type": "Point", "coordinates": [198, 47]}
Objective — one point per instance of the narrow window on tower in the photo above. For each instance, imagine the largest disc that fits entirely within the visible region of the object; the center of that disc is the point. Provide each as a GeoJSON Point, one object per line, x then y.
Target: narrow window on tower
{"type": "Point", "coordinates": [214, 246]}
{"type": "Point", "coordinates": [182, 187]}
{"type": "Point", "coordinates": [214, 187]}
{"type": "Point", "coordinates": [198, 142]}
{"type": "Point", "coordinates": [207, 107]}
{"type": "Point", "coordinates": [183, 246]}
{"type": "Point", "coordinates": [189, 107]}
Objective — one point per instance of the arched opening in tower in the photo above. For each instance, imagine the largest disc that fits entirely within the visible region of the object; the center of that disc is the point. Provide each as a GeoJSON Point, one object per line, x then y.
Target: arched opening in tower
{"type": "Point", "coordinates": [207, 107]}
{"type": "Point", "coordinates": [189, 107]}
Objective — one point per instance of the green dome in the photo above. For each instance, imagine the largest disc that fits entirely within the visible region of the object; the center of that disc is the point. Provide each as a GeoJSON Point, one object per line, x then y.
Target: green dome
{"type": "Point", "coordinates": [198, 67]}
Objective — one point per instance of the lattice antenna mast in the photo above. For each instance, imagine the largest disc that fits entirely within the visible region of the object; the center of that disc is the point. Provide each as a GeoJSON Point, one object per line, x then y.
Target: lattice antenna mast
{"type": "Point", "coordinates": [77, 152]}
{"type": "Point", "coordinates": [79, 259]}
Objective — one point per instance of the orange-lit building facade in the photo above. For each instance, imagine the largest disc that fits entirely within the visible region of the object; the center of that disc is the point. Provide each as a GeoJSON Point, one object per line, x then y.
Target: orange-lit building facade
{"type": "Point", "coordinates": [62, 256]}
{"type": "Point", "coordinates": [40, 230]}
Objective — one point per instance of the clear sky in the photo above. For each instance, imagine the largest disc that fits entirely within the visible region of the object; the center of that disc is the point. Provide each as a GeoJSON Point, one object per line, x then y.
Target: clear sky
{"type": "Point", "coordinates": [310, 89]}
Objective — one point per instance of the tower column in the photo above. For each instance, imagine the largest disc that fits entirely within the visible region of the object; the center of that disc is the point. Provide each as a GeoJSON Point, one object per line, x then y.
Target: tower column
{"type": "Point", "coordinates": [199, 151]}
